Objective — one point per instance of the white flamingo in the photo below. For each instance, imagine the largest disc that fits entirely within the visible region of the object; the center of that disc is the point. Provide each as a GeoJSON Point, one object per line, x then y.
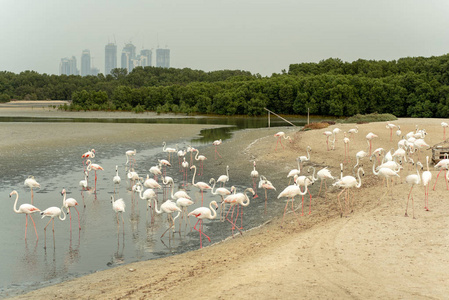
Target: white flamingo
{"type": "Point", "coordinates": [426, 178]}
{"type": "Point", "coordinates": [279, 137]}
{"type": "Point", "coordinates": [224, 178]}
{"type": "Point", "coordinates": [412, 180]}
{"type": "Point", "coordinates": [26, 209]}
{"type": "Point", "coordinates": [348, 182]}
{"type": "Point", "coordinates": [68, 203]}
{"type": "Point", "coordinates": [202, 213]}
{"type": "Point", "coordinates": [290, 192]}
{"type": "Point", "coordinates": [200, 184]}
{"type": "Point", "coordinates": [31, 183]}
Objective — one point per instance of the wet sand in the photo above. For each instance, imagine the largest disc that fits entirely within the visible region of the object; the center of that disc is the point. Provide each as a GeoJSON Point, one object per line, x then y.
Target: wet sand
{"type": "Point", "coordinates": [374, 252]}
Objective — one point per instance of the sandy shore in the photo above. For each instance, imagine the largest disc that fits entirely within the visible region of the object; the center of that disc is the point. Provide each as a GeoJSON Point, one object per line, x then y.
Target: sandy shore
{"type": "Point", "coordinates": [374, 252]}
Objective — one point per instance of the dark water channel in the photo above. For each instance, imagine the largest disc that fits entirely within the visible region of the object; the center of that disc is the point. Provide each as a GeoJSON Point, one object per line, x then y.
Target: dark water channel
{"type": "Point", "coordinates": [27, 265]}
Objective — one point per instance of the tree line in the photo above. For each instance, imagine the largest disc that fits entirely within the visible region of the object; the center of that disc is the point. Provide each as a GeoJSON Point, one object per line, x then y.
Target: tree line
{"type": "Point", "coordinates": [413, 87]}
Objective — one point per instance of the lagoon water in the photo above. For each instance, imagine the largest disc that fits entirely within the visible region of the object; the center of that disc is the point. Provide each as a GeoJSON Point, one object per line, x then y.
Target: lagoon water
{"type": "Point", "coordinates": [27, 265]}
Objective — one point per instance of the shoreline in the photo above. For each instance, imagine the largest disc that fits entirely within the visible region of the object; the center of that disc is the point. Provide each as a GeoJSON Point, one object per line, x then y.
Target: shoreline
{"type": "Point", "coordinates": [324, 257]}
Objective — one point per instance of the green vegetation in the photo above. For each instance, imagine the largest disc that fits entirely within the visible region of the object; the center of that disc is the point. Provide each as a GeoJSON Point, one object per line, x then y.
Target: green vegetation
{"type": "Point", "coordinates": [374, 117]}
{"type": "Point", "coordinates": [408, 87]}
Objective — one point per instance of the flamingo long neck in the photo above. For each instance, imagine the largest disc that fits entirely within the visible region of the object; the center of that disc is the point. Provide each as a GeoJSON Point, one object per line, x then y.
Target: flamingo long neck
{"type": "Point", "coordinates": [163, 149]}
{"type": "Point", "coordinates": [196, 155]}
{"type": "Point", "coordinates": [419, 176]}
{"type": "Point", "coordinates": [214, 213]}
{"type": "Point", "coordinates": [313, 175]}
{"type": "Point", "coordinates": [427, 162]}
{"type": "Point", "coordinates": [15, 204]}
{"type": "Point", "coordinates": [158, 211]}
{"type": "Point", "coordinates": [245, 201]}
{"type": "Point", "coordinates": [213, 186]}
{"type": "Point", "coordinates": [63, 199]}
{"type": "Point", "coordinates": [172, 190]}
{"type": "Point", "coordinates": [374, 168]}
{"type": "Point", "coordinates": [359, 184]}
{"type": "Point", "coordinates": [227, 171]}
{"type": "Point", "coordinates": [140, 194]}
{"type": "Point", "coordinates": [305, 188]}
{"type": "Point", "coordinates": [62, 212]}
{"type": "Point", "coordinates": [193, 178]}
{"type": "Point", "coordinates": [308, 154]}
{"type": "Point", "coordinates": [299, 166]}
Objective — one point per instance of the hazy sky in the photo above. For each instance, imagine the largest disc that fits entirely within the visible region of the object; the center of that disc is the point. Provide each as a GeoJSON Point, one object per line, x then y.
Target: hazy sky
{"type": "Point", "coordinates": [255, 35]}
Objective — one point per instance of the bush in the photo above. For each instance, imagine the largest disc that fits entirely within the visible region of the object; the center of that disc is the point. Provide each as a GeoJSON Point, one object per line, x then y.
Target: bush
{"type": "Point", "coordinates": [374, 117]}
{"type": "Point", "coordinates": [316, 125]}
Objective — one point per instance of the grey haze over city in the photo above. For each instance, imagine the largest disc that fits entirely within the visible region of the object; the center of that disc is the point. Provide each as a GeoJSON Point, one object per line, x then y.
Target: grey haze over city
{"type": "Point", "coordinates": [258, 36]}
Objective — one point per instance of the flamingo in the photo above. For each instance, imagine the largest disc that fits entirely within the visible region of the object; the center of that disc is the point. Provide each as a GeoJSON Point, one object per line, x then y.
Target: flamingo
{"type": "Point", "coordinates": [31, 183]}
{"type": "Point", "coordinates": [327, 134]}
{"type": "Point", "coordinates": [200, 158]}
{"type": "Point", "coordinates": [168, 207]}
{"type": "Point", "coordinates": [353, 130]}
{"type": "Point", "coordinates": [83, 183]}
{"type": "Point", "coordinates": [132, 176]}
{"type": "Point", "coordinates": [346, 142]}
{"type": "Point", "coordinates": [184, 203]}
{"type": "Point", "coordinates": [27, 209]}
{"type": "Point", "coordinates": [294, 172]}
{"type": "Point", "coordinates": [119, 207]}
{"type": "Point", "coordinates": [239, 199]}
{"type": "Point", "coordinates": [265, 184]}
{"type": "Point", "coordinates": [180, 154]}
{"type": "Point", "coordinates": [116, 179]}
{"type": "Point", "coordinates": [305, 158]}
{"type": "Point", "coordinates": [147, 195]}
{"type": "Point", "coordinates": [156, 171]}
{"type": "Point", "coordinates": [221, 191]}
{"type": "Point", "coordinates": [191, 150]}
{"type": "Point", "coordinates": [202, 213]}
{"type": "Point", "coordinates": [179, 194]}
{"type": "Point", "coordinates": [426, 178]}
{"type": "Point", "coordinates": [359, 155]}
{"type": "Point", "coordinates": [412, 180]}
{"type": "Point", "coordinates": [164, 163]}
{"type": "Point", "coordinates": [95, 167]}
{"type": "Point", "coordinates": [348, 182]}
{"type": "Point", "coordinates": [217, 143]}
{"type": "Point", "coordinates": [303, 181]}
{"type": "Point", "coordinates": [279, 137]}
{"type": "Point", "coordinates": [68, 203]}
{"type": "Point", "coordinates": [419, 144]}
{"type": "Point", "coordinates": [201, 185]}
{"type": "Point", "coordinates": [168, 150]}
{"type": "Point", "coordinates": [370, 136]}
{"type": "Point", "coordinates": [323, 174]}
{"type": "Point", "coordinates": [167, 181]}
{"type": "Point", "coordinates": [385, 172]}
{"type": "Point", "coordinates": [185, 167]}
{"type": "Point", "coordinates": [391, 126]}
{"type": "Point", "coordinates": [87, 155]}
{"type": "Point", "coordinates": [290, 192]}
{"type": "Point", "coordinates": [398, 132]}
{"type": "Point", "coordinates": [444, 125]}
{"type": "Point", "coordinates": [442, 164]}
{"type": "Point", "coordinates": [130, 153]}
{"type": "Point", "coordinates": [52, 212]}
{"type": "Point", "coordinates": [224, 178]}
{"type": "Point", "coordinates": [254, 175]}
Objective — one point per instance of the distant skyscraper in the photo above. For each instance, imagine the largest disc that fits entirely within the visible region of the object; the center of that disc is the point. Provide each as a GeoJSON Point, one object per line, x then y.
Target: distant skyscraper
{"type": "Point", "coordinates": [85, 63]}
{"type": "Point", "coordinates": [145, 58]}
{"type": "Point", "coordinates": [110, 58]}
{"type": "Point", "coordinates": [163, 58]}
{"type": "Point", "coordinates": [67, 66]}
{"type": "Point", "coordinates": [128, 57]}
{"type": "Point", "coordinates": [94, 71]}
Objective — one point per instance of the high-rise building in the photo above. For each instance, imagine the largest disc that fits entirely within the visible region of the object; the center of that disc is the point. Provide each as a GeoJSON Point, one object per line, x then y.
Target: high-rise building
{"type": "Point", "coordinates": [163, 58]}
{"type": "Point", "coordinates": [110, 58]}
{"type": "Point", "coordinates": [128, 57]}
{"type": "Point", "coordinates": [85, 63]}
{"type": "Point", "coordinates": [145, 57]}
{"type": "Point", "coordinates": [67, 66]}
{"type": "Point", "coordinates": [94, 71]}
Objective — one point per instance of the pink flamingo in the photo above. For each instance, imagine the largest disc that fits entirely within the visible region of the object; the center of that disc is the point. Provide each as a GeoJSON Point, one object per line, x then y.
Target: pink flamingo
{"type": "Point", "coordinates": [391, 126]}
{"type": "Point", "coordinates": [279, 137]}
{"type": "Point", "coordinates": [348, 182]}
{"type": "Point", "coordinates": [217, 143]}
{"type": "Point", "coordinates": [68, 203]}
{"type": "Point", "coordinates": [180, 154]}
{"type": "Point", "coordinates": [224, 178]}
{"type": "Point", "coordinates": [95, 167]}
{"type": "Point", "coordinates": [184, 203]}
{"type": "Point", "coordinates": [221, 191]}
{"type": "Point", "coordinates": [168, 150]}
{"type": "Point", "coordinates": [156, 171]}
{"type": "Point", "coordinates": [191, 150]}
{"type": "Point", "coordinates": [369, 137]}
{"type": "Point", "coordinates": [27, 209]}
{"type": "Point", "coordinates": [290, 192]}
{"type": "Point", "coordinates": [87, 155]}
{"type": "Point", "coordinates": [346, 141]}
{"type": "Point", "coordinates": [443, 165]}
{"type": "Point", "coordinates": [202, 213]}
{"type": "Point", "coordinates": [200, 158]}
{"type": "Point", "coordinates": [119, 207]}
{"type": "Point", "coordinates": [185, 168]}
{"type": "Point", "coordinates": [52, 212]}
{"type": "Point", "coordinates": [265, 184]}
{"type": "Point", "coordinates": [201, 185]}
{"type": "Point", "coordinates": [412, 180]}
{"type": "Point", "coordinates": [304, 158]}
{"type": "Point", "coordinates": [164, 163]}
{"type": "Point", "coordinates": [444, 125]}
{"type": "Point", "coordinates": [32, 183]}
{"type": "Point", "coordinates": [239, 199]}
{"type": "Point", "coordinates": [328, 134]}
{"type": "Point", "coordinates": [168, 207]}
{"type": "Point", "coordinates": [130, 153]}
{"type": "Point", "coordinates": [305, 181]}
{"type": "Point", "coordinates": [116, 179]}
{"type": "Point", "coordinates": [254, 175]}
{"type": "Point", "coordinates": [353, 130]}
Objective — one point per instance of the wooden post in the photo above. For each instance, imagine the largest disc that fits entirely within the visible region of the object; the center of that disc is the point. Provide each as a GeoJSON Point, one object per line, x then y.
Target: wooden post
{"type": "Point", "coordinates": [268, 119]}
{"type": "Point", "coordinates": [308, 116]}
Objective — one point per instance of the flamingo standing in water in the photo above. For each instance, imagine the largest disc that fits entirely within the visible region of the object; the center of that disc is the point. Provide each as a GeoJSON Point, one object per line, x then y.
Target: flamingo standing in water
{"type": "Point", "coordinates": [426, 178]}
{"type": "Point", "coordinates": [32, 183]}
{"type": "Point", "coordinates": [87, 155]}
{"type": "Point", "coordinates": [279, 137]}
{"type": "Point", "coordinates": [95, 167]}
{"type": "Point", "coordinates": [119, 207]}
{"type": "Point", "coordinates": [265, 184]}
{"type": "Point", "coordinates": [412, 180]}
{"type": "Point", "coordinates": [116, 179]}
{"type": "Point", "coordinates": [185, 168]}
{"type": "Point", "coordinates": [164, 163]}
{"type": "Point", "coordinates": [68, 203]}
{"type": "Point", "coordinates": [156, 171]}
{"type": "Point", "coordinates": [168, 207]}
{"type": "Point", "coordinates": [168, 150]}
{"type": "Point", "coordinates": [52, 212]}
{"type": "Point", "coordinates": [27, 209]}
{"type": "Point", "coordinates": [217, 143]}
{"type": "Point", "coordinates": [201, 185]}
{"type": "Point", "coordinates": [130, 153]}
{"type": "Point", "coordinates": [370, 136]}
{"type": "Point", "coordinates": [254, 175]}
{"type": "Point", "coordinates": [290, 192]}
{"type": "Point", "coordinates": [202, 213]}
{"type": "Point", "coordinates": [183, 204]}
{"type": "Point", "coordinates": [239, 199]}
{"type": "Point", "coordinates": [191, 150]}
{"type": "Point", "coordinates": [221, 191]}
{"type": "Point", "coordinates": [200, 158]}
{"type": "Point", "coordinates": [181, 154]}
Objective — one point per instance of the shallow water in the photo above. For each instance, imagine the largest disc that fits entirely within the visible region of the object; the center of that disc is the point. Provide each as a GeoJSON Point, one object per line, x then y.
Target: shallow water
{"type": "Point", "coordinates": [27, 265]}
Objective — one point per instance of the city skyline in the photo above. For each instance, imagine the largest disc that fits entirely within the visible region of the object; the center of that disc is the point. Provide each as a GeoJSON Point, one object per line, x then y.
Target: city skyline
{"type": "Point", "coordinates": [262, 37]}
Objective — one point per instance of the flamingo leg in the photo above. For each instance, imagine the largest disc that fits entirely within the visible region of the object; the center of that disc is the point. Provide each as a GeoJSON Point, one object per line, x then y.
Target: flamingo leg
{"type": "Point", "coordinates": [310, 203]}
{"type": "Point", "coordinates": [194, 227]}
{"type": "Point", "coordinates": [70, 215]}
{"type": "Point", "coordinates": [285, 209]}
{"type": "Point", "coordinates": [302, 206]}
{"type": "Point", "coordinates": [79, 223]}
{"type": "Point", "coordinates": [232, 223]}
{"type": "Point", "coordinates": [34, 224]}
{"type": "Point", "coordinates": [296, 215]}
{"type": "Point", "coordinates": [266, 198]}
{"type": "Point", "coordinates": [408, 199]}
{"type": "Point", "coordinates": [327, 142]}
{"type": "Point", "coordinates": [32, 196]}
{"type": "Point", "coordinates": [26, 225]}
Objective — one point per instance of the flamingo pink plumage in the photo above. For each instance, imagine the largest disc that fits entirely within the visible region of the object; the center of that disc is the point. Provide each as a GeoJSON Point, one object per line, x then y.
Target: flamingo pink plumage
{"type": "Point", "coordinates": [202, 213]}
{"type": "Point", "coordinates": [27, 209]}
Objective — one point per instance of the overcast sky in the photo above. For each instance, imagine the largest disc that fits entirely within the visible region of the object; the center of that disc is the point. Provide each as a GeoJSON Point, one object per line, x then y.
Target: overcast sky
{"type": "Point", "coordinates": [254, 35]}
